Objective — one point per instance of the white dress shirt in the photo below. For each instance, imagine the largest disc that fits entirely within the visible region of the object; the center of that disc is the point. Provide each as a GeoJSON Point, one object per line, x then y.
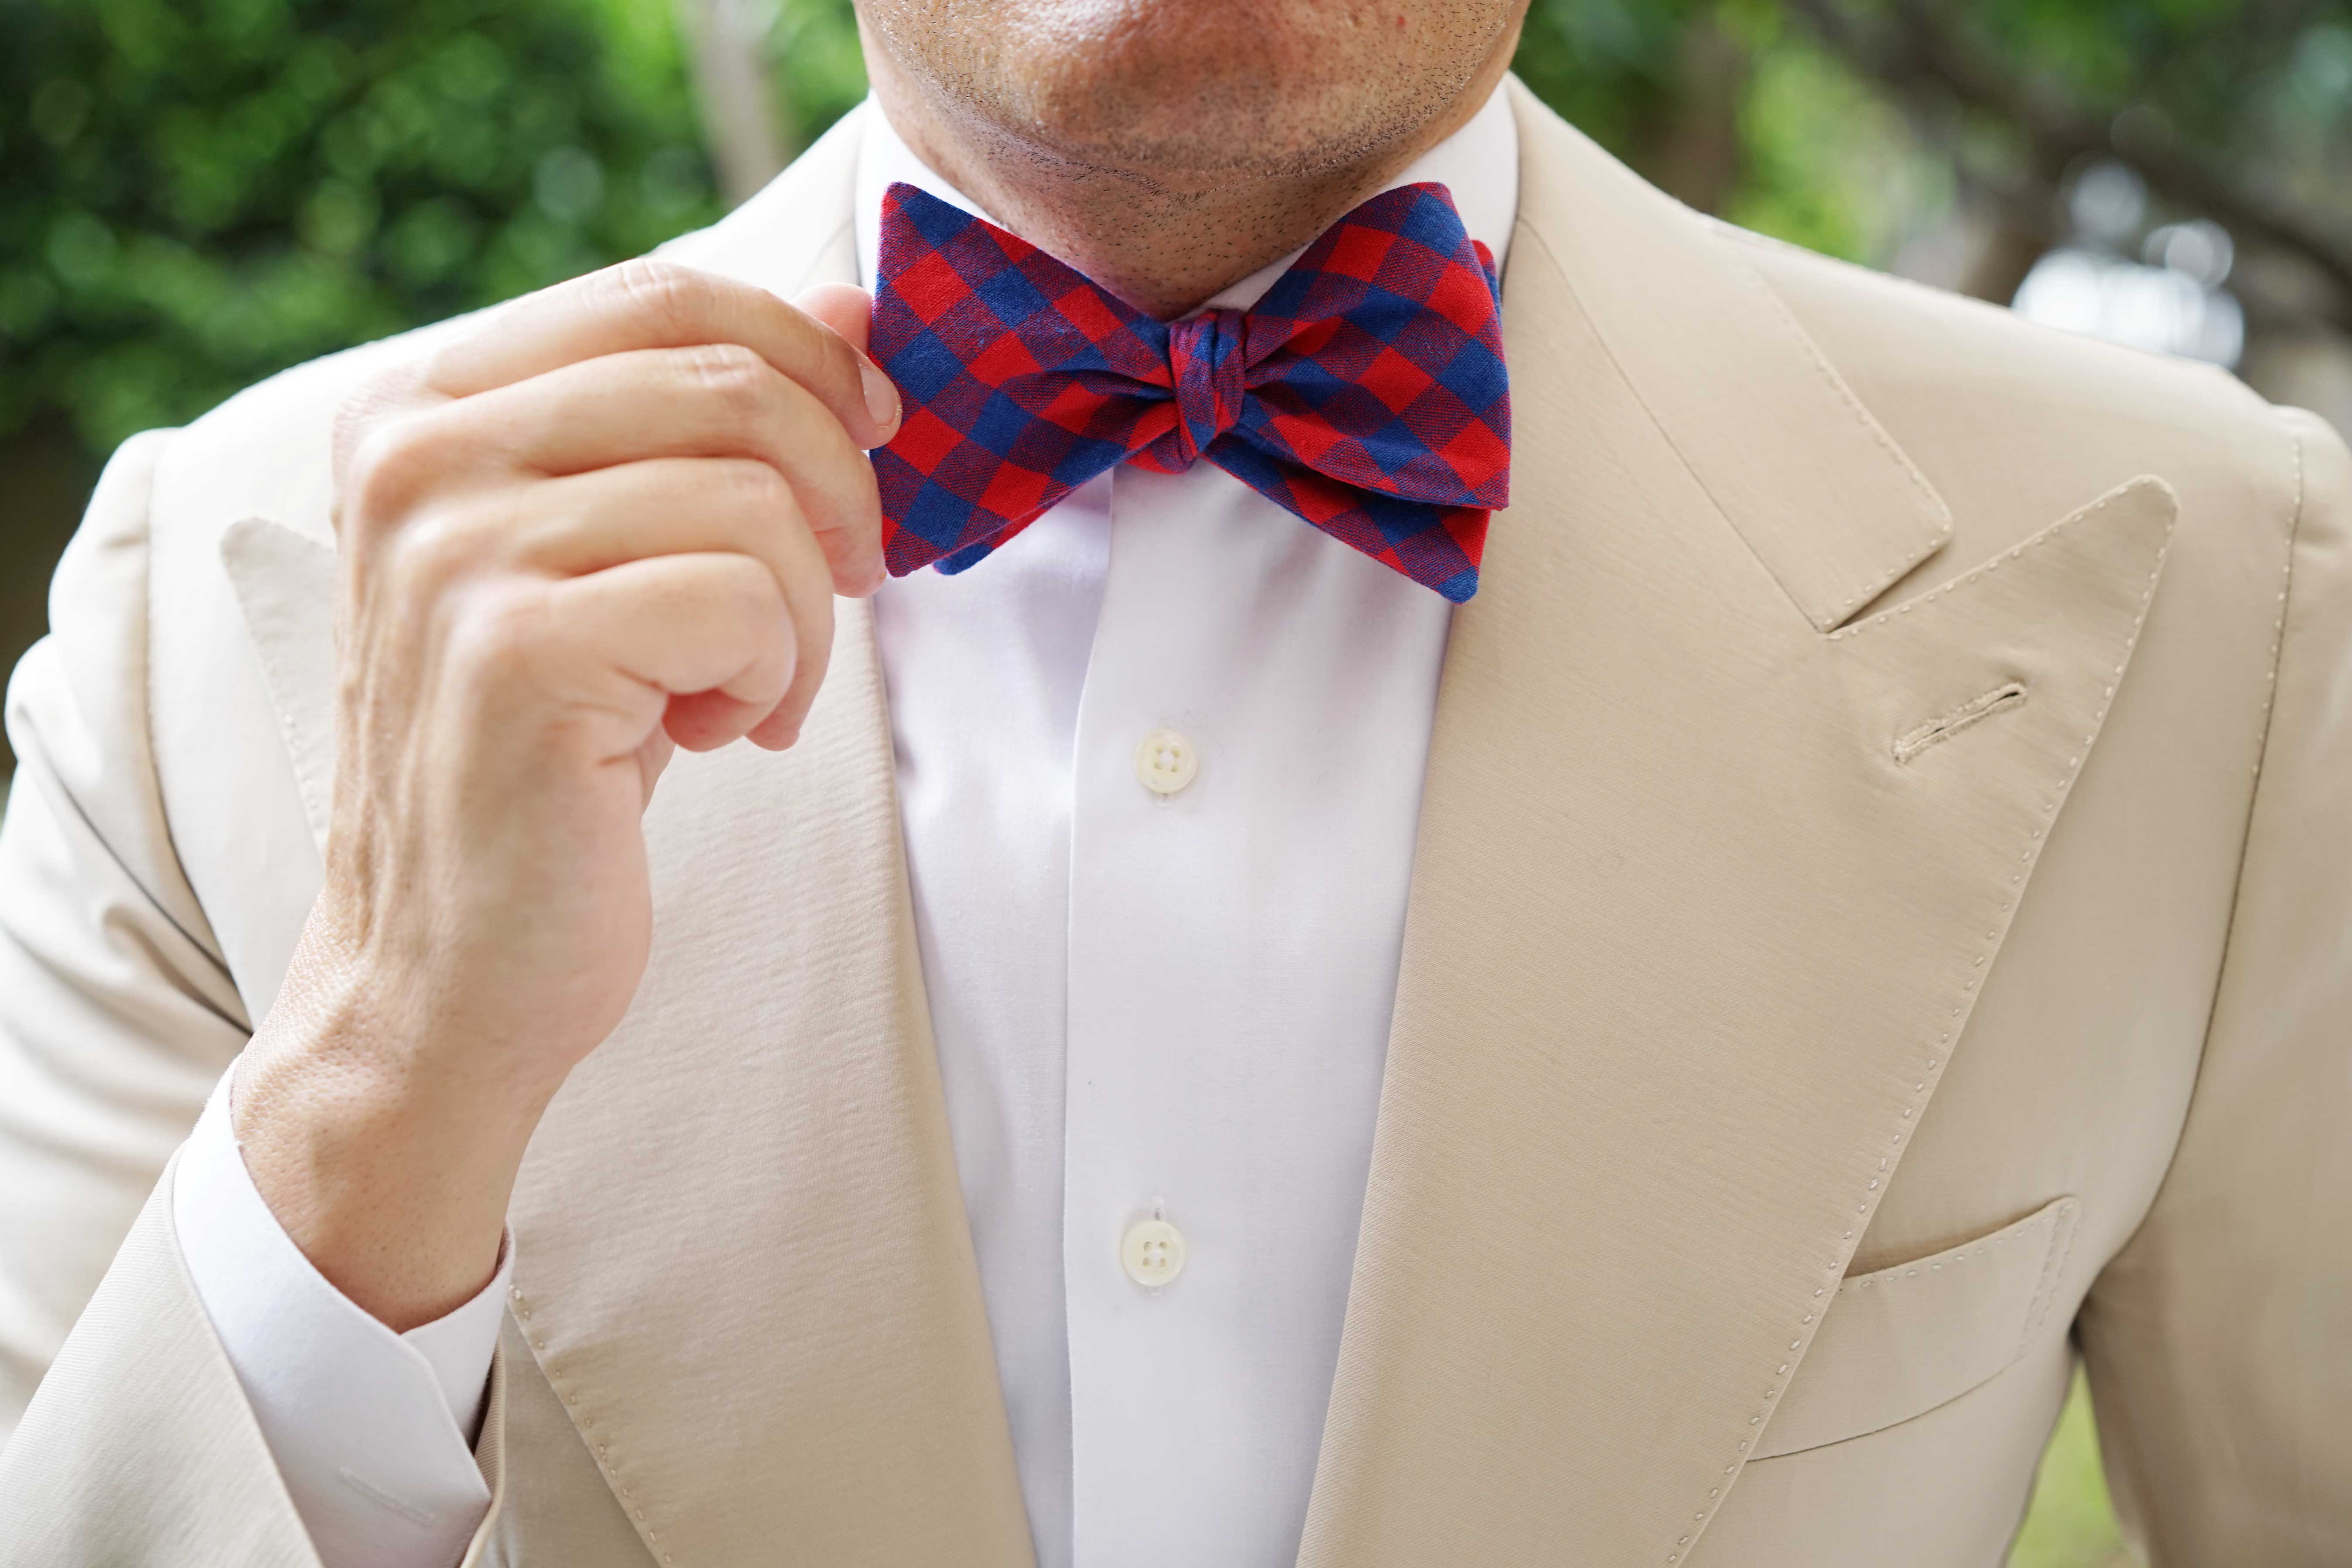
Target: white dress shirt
{"type": "Point", "coordinates": [1159, 764]}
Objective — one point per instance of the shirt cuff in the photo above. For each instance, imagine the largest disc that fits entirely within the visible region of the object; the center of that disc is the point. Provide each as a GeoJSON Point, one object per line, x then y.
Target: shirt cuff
{"type": "Point", "coordinates": [371, 1430]}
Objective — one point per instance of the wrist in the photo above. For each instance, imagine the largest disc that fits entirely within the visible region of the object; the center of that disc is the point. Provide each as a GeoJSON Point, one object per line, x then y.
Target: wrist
{"type": "Point", "coordinates": [389, 1174]}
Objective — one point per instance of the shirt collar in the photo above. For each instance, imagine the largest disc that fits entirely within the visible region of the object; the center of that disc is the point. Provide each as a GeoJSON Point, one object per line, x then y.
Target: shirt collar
{"type": "Point", "coordinates": [1480, 164]}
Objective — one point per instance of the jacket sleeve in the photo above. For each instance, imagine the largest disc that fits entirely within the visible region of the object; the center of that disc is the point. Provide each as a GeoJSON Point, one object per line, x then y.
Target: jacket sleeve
{"type": "Point", "coordinates": [117, 1014]}
{"type": "Point", "coordinates": [125, 1436]}
{"type": "Point", "coordinates": [2219, 1340]}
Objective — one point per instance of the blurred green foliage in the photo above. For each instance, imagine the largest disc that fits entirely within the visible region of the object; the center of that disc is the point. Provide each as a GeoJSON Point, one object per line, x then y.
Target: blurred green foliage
{"type": "Point", "coordinates": [813, 56]}
{"type": "Point", "coordinates": [1734, 108]}
{"type": "Point", "coordinates": [195, 193]}
{"type": "Point", "coordinates": [1852, 124]}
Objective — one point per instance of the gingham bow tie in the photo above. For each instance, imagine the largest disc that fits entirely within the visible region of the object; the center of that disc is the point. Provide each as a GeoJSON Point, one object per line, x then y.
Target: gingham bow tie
{"type": "Point", "coordinates": [1365, 392]}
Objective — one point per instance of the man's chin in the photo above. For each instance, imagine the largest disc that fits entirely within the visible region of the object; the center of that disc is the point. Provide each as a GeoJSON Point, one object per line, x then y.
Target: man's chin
{"type": "Point", "coordinates": [1186, 89]}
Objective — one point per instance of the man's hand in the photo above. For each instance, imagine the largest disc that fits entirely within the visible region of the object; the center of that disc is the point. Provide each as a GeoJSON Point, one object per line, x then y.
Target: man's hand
{"type": "Point", "coordinates": [609, 521]}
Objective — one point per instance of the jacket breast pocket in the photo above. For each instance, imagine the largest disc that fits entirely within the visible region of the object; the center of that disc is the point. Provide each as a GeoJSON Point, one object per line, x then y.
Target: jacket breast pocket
{"type": "Point", "coordinates": [1899, 1343]}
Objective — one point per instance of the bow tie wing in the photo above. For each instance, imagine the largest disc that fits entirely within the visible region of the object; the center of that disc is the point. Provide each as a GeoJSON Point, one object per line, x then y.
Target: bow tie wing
{"type": "Point", "coordinates": [1379, 356]}
{"type": "Point", "coordinates": [1022, 380]}
{"type": "Point", "coordinates": [1378, 405]}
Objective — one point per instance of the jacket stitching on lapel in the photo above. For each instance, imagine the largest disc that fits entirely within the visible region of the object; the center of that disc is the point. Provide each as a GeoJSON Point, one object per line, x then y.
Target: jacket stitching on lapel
{"type": "Point", "coordinates": [1986, 568]}
{"type": "Point", "coordinates": [1975, 711]}
{"type": "Point", "coordinates": [518, 1307]}
{"type": "Point", "coordinates": [1879, 581]}
{"type": "Point", "coordinates": [1931, 1075]}
{"type": "Point", "coordinates": [1640, 399]}
{"type": "Point", "coordinates": [1524, 232]}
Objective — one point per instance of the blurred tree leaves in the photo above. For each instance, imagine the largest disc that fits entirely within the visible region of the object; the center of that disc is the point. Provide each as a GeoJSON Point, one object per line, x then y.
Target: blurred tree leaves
{"type": "Point", "coordinates": [1738, 110]}
{"type": "Point", "coordinates": [812, 48]}
{"type": "Point", "coordinates": [2235, 110]}
{"type": "Point", "coordinates": [1858, 124]}
{"type": "Point", "coordinates": [195, 193]}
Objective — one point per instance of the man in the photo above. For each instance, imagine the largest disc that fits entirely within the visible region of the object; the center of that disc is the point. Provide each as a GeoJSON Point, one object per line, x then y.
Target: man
{"type": "Point", "coordinates": [1182, 1044]}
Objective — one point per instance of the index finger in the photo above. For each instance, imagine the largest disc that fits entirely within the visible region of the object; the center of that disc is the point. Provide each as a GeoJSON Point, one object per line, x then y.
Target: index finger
{"type": "Point", "coordinates": [648, 304]}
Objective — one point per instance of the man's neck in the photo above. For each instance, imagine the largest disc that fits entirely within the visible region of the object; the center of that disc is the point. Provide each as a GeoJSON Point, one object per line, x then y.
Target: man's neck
{"type": "Point", "coordinates": [1162, 243]}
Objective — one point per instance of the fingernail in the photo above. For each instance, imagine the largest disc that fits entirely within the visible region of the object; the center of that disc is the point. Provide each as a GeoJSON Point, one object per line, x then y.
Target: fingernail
{"type": "Point", "coordinates": [881, 398]}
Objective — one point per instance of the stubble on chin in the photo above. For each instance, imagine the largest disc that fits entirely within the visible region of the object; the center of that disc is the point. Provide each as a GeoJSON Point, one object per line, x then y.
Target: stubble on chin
{"type": "Point", "coordinates": [1167, 147]}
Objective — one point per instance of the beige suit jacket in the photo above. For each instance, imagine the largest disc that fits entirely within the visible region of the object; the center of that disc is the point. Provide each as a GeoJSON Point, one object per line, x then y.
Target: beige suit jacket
{"type": "Point", "coordinates": [1882, 924]}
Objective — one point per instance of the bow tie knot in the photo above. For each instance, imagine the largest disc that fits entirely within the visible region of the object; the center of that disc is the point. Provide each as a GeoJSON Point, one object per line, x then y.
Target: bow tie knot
{"type": "Point", "coordinates": [1365, 393]}
{"type": "Point", "coordinates": [1207, 363]}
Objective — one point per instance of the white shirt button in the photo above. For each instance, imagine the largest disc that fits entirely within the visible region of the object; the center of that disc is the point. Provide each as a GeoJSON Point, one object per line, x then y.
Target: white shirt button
{"type": "Point", "coordinates": [1166, 761]}
{"type": "Point", "coordinates": [1152, 1253]}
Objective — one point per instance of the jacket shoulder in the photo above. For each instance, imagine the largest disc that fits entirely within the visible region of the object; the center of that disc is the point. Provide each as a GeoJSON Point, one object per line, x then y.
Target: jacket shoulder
{"type": "Point", "coordinates": [2017, 424]}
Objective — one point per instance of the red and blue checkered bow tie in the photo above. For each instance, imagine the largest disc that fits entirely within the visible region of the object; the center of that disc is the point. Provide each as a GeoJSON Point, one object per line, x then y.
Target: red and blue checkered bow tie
{"type": "Point", "coordinates": [1366, 391]}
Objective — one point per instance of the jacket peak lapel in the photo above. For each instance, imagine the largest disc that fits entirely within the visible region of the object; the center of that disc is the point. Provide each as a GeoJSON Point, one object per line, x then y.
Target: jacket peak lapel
{"type": "Point", "coordinates": [1745, 397]}
{"type": "Point", "coordinates": [1704, 893]}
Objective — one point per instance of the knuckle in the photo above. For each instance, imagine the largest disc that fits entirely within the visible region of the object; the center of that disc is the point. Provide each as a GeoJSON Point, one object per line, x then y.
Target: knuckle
{"type": "Point", "coordinates": [501, 636]}
{"type": "Point", "coordinates": [431, 551]}
{"type": "Point", "coordinates": [740, 380]}
{"type": "Point", "coordinates": [741, 596]}
{"type": "Point", "coordinates": [393, 462]}
{"type": "Point", "coordinates": [675, 297]}
{"type": "Point", "coordinates": [751, 486]}
{"type": "Point", "coordinates": [753, 591]}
